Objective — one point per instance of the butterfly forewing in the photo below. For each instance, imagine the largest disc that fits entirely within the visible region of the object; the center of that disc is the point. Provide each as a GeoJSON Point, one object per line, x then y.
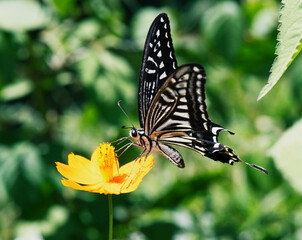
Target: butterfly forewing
{"type": "Point", "coordinates": [158, 63]}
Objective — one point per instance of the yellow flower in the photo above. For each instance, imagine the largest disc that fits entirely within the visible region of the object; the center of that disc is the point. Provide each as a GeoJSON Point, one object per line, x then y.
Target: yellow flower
{"type": "Point", "coordinates": [102, 174]}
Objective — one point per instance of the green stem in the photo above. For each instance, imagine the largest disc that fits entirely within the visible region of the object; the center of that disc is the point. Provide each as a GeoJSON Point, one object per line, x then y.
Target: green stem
{"type": "Point", "coordinates": [110, 216]}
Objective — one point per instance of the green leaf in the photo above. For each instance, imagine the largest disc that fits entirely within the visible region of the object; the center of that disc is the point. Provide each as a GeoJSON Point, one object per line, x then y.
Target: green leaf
{"type": "Point", "coordinates": [22, 15]}
{"type": "Point", "coordinates": [21, 159]}
{"type": "Point", "coordinates": [65, 7]}
{"type": "Point", "coordinates": [114, 79]}
{"type": "Point", "coordinates": [16, 90]}
{"type": "Point", "coordinates": [286, 154]}
{"type": "Point", "coordinates": [289, 42]}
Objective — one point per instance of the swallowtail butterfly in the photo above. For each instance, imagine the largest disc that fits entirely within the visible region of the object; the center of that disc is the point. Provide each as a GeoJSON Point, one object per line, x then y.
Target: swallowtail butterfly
{"type": "Point", "coordinates": [171, 104]}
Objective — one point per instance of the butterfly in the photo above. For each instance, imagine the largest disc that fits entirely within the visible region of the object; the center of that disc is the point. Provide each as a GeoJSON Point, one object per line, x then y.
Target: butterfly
{"type": "Point", "coordinates": [171, 104]}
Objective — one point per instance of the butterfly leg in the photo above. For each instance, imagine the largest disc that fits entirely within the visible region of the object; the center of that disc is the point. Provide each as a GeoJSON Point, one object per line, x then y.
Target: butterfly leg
{"type": "Point", "coordinates": [124, 148]}
{"type": "Point", "coordinates": [120, 140]}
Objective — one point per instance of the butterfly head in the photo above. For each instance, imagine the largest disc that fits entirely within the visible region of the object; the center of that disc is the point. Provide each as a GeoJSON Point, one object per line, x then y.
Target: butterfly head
{"type": "Point", "coordinates": [133, 133]}
{"type": "Point", "coordinates": [137, 134]}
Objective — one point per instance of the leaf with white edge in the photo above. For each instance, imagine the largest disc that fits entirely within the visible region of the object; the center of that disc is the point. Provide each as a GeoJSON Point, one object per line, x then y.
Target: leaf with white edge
{"type": "Point", "coordinates": [22, 15]}
{"type": "Point", "coordinates": [289, 42]}
{"type": "Point", "coordinates": [286, 154]}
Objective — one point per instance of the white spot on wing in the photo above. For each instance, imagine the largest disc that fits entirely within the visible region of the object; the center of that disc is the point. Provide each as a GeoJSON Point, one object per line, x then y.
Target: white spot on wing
{"type": "Point", "coordinates": [196, 69]}
{"type": "Point", "coordinates": [181, 114]}
{"type": "Point", "coordinates": [182, 92]}
{"type": "Point", "coordinates": [198, 83]}
{"type": "Point", "coordinates": [183, 100]}
{"type": "Point", "coordinates": [159, 54]}
{"type": "Point", "coordinates": [163, 75]}
{"type": "Point", "coordinates": [157, 46]}
{"type": "Point", "coordinates": [215, 129]}
{"type": "Point", "coordinates": [157, 33]}
{"type": "Point", "coordinates": [185, 77]}
{"type": "Point", "coordinates": [199, 76]}
{"type": "Point", "coordinates": [183, 107]}
{"type": "Point", "coordinates": [174, 65]}
{"type": "Point", "coordinates": [203, 116]}
{"type": "Point", "coordinates": [173, 80]}
{"type": "Point", "coordinates": [216, 145]}
{"type": "Point", "coordinates": [152, 60]}
{"type": "Point", "coordinates": [161, 19]}
{"type": "Point", "coordinates": [150, 71]}
{"type": "Point", "coordinates": [182, 85]}
{"type": "Point", "coordinates": [161, 65]}
{"type": "Point", "coordinates": [151, 45]}
{"type": "Point", "coordinates": [152, 87]}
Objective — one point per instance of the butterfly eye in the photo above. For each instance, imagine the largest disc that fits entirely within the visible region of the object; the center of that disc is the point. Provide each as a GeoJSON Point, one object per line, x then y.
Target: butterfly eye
{"type": "Point", "coordinates": [133, 133]}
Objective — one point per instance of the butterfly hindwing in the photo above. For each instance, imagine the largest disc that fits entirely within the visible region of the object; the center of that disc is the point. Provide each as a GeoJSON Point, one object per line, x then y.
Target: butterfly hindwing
{"type": "Point", "coordinates": [178, 115]}
{"type": "Point", "coordinates": [158, 63]}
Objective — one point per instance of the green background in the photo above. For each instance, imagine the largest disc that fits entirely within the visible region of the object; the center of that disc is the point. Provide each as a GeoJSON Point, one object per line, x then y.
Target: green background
{"type": "Point", "coordinates": [63, 67]}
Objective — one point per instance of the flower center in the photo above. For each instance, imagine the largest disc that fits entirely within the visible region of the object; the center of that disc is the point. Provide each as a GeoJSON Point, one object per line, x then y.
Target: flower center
{"type": "Point", "coordinates": [107, 162]}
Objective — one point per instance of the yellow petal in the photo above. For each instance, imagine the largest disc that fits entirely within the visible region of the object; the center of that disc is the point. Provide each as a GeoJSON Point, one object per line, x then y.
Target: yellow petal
{"type": "Point", "coordinates": [79, 170]}
{"type": "Point", "coordinates": [106, 188]}
{"type": "Point", "coordinates": [140, 168]}
{"type": "Point", "coordinates": [90, 188]}
{"type": "Point", "coordinates": [113, 188]}
{"type": "Point", "coordinates": [141, 164]}
{"type": "Point", "coordinates": [72, 184]}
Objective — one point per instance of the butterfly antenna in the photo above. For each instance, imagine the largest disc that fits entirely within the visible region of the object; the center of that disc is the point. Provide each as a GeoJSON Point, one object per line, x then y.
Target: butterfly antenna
{"type": "Point", "coordinates": [119, 104]}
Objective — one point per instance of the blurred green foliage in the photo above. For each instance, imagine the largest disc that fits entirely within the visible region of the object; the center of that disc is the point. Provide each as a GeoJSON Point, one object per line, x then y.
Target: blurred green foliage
{"type": "Point", "coordinates": [63, 67]}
